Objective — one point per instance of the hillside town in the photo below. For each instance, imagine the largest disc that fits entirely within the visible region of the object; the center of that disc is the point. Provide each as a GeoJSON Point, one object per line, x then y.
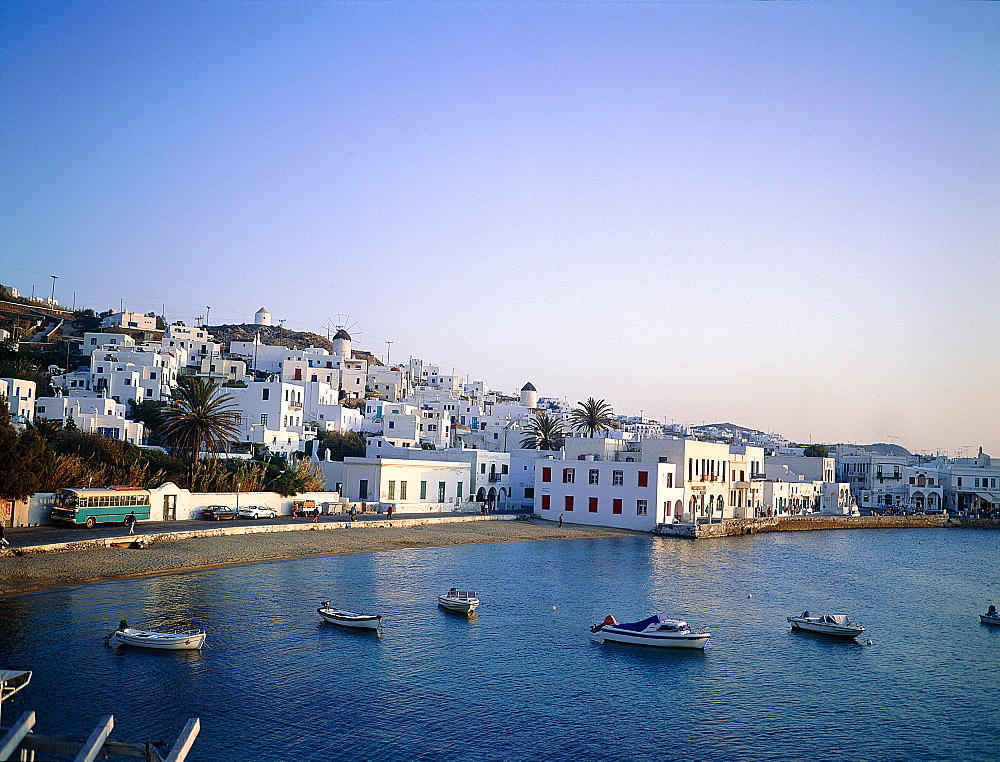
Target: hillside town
{"type": "Point", "coordinates": [435, 441]}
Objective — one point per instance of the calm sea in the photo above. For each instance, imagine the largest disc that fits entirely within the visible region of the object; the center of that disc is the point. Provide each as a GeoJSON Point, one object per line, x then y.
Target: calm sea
{"type": "Point", "coordinates": [523, 680]}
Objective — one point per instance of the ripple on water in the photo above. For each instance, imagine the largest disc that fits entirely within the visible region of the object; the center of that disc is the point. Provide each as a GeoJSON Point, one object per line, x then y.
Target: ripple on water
{"type": "Point", "coordinates": [522, 681]}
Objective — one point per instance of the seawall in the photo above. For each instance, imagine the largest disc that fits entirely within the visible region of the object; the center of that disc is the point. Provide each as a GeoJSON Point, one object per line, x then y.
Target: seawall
{"type": "Point", "coordinates": [731, 527]}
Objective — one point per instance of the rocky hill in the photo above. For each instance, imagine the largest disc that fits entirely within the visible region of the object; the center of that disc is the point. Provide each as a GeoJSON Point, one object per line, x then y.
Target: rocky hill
{"type": "Point", "coordinates": [278, 336]}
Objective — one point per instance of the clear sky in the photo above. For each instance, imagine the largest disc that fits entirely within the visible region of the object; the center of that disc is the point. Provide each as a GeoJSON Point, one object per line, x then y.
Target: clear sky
{"type": "Point", "coordinates": [779, 214]}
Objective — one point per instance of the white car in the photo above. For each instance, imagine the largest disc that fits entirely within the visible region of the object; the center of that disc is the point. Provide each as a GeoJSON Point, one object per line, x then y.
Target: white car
{"type": "Point", "coordinates": [257, 512]}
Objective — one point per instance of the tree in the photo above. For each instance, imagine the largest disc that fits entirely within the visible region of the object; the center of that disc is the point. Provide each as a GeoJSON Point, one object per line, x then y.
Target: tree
{"type": "Point", "coordinates": [593, 417]}
{"type": "Point", "coordinates": [46, 428]}
{"type": "Point", "coordinates": [817, 451]}
{"type": "Point", "coordinates": [150, 414]}
{"type": "Point", "coordinates": [349, 444]}
{"type": "Point", "coordinates": [24, 458]}
{"type": "Point", "coordinates": [200, 419]}
{"type": "Point", "coordinates": [543, 433]}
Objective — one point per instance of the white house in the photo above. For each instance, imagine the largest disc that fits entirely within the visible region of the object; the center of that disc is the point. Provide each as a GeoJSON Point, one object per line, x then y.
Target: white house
{"type": "Point", "coordinates": [630, 495]}
{"type": "Point", "coordinates": [97, 415]}
{"type": "Point", "coordinates": [20, 396]}
{"type": "Point", "coordinates": [409, 486]}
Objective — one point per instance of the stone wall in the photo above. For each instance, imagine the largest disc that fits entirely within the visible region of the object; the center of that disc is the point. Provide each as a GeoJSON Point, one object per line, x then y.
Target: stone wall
{"type": "Point", "coordinates": [731, 527]}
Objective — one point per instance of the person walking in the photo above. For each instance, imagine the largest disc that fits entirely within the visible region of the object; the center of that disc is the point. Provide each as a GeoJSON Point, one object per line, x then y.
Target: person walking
{"type": "Point", "coordinates": [130, 520]}
{"type": "Point", "coordinates": [3, 537]}
{"type": "Point", "coordinates": [560, 519]}
{"type": "Point", "coordinates": [389, 511]}
{"type": "Point", "coordinates": [315, 515]}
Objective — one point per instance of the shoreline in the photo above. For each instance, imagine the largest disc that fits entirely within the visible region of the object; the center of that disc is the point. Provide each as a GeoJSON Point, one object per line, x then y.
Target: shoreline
{"type": "Point", "coordinates": [39, 573]}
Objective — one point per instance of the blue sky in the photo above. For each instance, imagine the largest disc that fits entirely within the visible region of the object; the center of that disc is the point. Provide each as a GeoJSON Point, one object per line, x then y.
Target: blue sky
{"type": "Point", "coordinates": [778, 214]}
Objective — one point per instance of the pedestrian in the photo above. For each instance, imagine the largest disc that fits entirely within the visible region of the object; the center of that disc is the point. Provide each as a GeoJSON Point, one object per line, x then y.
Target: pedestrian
{"type": "Point", "coordinates": [130, 520]}
{"type": "Point", "coordinates": [315, 515]}
{"type": "Point", "coordinates": [560, 519]}
{"type": "Point", "coordinates": [3, 537]}
{"type": "Point", "coordinates": [352, 514]}
{"type": "Point", "coordinates": [389, 511]}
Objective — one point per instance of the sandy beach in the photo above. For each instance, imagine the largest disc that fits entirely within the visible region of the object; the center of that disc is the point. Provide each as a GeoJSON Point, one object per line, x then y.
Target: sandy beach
{"type": "Point", "coordinates": [27, 574]}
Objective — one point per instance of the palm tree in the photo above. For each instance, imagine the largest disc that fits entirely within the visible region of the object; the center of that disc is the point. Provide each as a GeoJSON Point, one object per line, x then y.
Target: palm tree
{"type": "Point", "coordinates": [200, 418]}
{"type": "Point", "coordinates": [593, 417]}
{"type": "Point", "coordinates": [543, 433]}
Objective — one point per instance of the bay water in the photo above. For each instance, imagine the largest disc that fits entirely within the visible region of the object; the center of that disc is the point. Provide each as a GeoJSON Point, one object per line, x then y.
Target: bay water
{"type": "Point", "coordinates": [524, 679]}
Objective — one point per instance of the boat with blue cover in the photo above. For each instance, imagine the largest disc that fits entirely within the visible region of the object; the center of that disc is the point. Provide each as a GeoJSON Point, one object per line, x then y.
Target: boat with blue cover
{"type": "Point", "coordinates": [659, 631]}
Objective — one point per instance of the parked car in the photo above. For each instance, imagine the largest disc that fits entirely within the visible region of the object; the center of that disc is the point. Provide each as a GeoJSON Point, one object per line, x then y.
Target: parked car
{"type": "Point", "coordinates": [257, 512]}
{"type": "Point", "coordinates": [218, 513]}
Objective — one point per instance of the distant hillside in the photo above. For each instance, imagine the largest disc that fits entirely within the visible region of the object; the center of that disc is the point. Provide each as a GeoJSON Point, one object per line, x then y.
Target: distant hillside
{"type": "Point", "coordinates": [882, 448]}
{"type": "Point", "coordinates": [732, 427]}
{"type": "Point", "coordinates": [278, 336]}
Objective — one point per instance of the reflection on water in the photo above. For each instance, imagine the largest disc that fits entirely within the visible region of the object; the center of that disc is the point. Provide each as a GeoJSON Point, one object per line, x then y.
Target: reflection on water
{"type": "Point", "coordinates": [521, 679]}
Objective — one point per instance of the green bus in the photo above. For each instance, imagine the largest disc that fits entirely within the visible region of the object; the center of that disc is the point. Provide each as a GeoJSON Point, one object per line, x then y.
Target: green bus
{"type": "Point", "coordinates": [99, 506]}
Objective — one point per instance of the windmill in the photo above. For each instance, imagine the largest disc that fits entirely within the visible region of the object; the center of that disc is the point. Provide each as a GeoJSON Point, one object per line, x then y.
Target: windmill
{"type": "Point", "coordinates": [341, 323]}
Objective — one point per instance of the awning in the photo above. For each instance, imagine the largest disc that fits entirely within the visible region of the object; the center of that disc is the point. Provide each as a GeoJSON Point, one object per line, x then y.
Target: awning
{"type": "Point", "coordinates": [989, 497]}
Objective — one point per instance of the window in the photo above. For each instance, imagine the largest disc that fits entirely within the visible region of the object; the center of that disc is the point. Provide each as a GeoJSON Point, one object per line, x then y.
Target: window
{"type": "Point", "coordinates": [529, 491]}
{"type": "Point", "coordinates": [568, 503]}
{"type": "Point", "coordinates": [504, 469]}
{"type": "Point", "coordinates": [592, 504]}
{"type": "Point", "coordinates": [460, 490]}
{"type": "Point", "coordinates": [441, 487]}
{"type": "Point", "coordinates": [618, 478]}
{"type": "Point", "coordinates": [546, 499]}
{"type": "Point", "coordinates": [595, 476]}
{"type": "Point", "coordinates": [670, 480]}
{"type": "Point", "coordinates": [265, 393]}
{"type": "Point", "coordinates": [263, 419]}
{"type": "Point", "coordinates": [546, 474]}
{"type": "Point", "coordinates": [616, 505]}
{"type": "Point", "coordinates": [423, 490]}
{"type": "Point", "coordinates": [644, 478]}
{"type": "Point", "coordinates": [640, 507]}
{"type": "Point", "coordinates": [392, 424]}
{"type": "Point", "coordinates": [482, 468]}
{"type": "Point", "coordinates": [363, 490]}
{"type": "Point", "coordinates": [392, 489]}
{"type": "Point", "coordinates": [569, 475]}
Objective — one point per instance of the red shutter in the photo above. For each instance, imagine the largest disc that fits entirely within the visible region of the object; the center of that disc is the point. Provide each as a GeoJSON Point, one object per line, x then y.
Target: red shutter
{"type": "Point", "coordinates": [546, 474]}
{"type": "Point", "coordinates": [616, 507]}
{"type": "Point", "coordinates": [569, 502]}
{"type": "Point", "coordinates": [592, 507]}
{"type": "Point", "coordinates": [545, 502]}
{"type": "Point", "coordinates": [644, 478]}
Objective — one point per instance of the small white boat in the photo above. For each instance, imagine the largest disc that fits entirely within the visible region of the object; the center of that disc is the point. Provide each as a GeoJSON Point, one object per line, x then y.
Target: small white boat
{"type": "Point", "coordinates": [459, 600]}
{"type": "Point", "coordinates": [658, 630]}
{"type": "Point", "coordinates": [168, 641]}
{"type": "Point", "coordinates": [992, 616]}
{"type": "Point", "coordinates": [836, 625]}
{"type": "Point", "coordinates": [349, 618]}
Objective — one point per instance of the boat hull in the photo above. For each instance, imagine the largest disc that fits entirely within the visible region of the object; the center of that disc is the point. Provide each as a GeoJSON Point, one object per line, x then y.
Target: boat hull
{"type": "Point", "coordinates": [350, 619]}
{"type": "Point", "coordinates": [995, 620]}
{"type": "Point", "coordinates": [464, 606]}
{"type": "Point", "coordinates": [162, 641]}
{"type": "Point", "coordinates": [831, 630]}
{"type": "Point", "coordinates": [656, 640]}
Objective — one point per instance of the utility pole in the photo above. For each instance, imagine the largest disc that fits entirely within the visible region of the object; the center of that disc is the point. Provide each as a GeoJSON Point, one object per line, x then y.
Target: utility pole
{"type": "Point", "coordinates": [208, 315]}
{"type": "Point", "coordinates": [388, 347]}
{"type": "Point", "coordinates": [52, 298]}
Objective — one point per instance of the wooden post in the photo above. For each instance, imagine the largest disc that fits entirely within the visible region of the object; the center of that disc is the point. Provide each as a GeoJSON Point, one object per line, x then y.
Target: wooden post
{"type": "Point", "coordinates": [9, 743]}
{"type": "Point", "coordinates": [93, 745]}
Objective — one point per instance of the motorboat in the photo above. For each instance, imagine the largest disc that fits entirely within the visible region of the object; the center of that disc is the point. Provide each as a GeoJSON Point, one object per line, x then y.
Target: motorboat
{"type": "Point", "coordinates": [658, 630]}
{"type": "Point", "coordinates": [349, 618]}
{"type": "Point", "coordinates": [836, 625]}
{"type": "Point", "coordinates": [168, 641]}
{"type": "Point", "coordinates": [992, 616]}
{"type": "Point", "coordinates": [459, 600]}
